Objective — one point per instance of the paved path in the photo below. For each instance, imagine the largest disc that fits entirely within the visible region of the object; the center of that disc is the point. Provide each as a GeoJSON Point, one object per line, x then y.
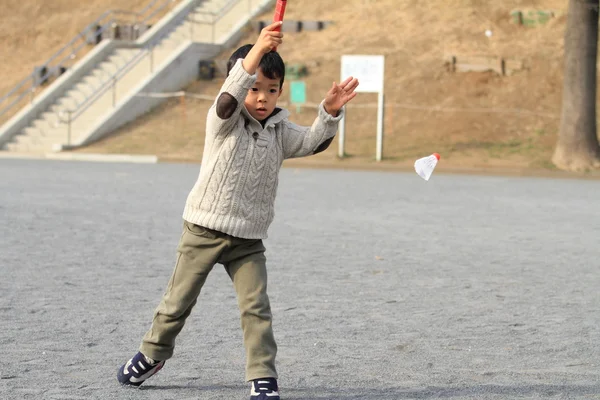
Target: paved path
{"type": "Point", "coordinates": [384, 286]}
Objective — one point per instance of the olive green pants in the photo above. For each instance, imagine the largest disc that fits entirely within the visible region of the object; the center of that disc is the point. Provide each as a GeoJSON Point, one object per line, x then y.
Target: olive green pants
{"type": "Point", "coordinates": [198, 251]}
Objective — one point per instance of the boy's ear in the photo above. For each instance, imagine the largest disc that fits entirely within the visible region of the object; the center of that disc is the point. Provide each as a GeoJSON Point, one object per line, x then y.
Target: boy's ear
{"type": "Point", "coordinates": [280, 91]}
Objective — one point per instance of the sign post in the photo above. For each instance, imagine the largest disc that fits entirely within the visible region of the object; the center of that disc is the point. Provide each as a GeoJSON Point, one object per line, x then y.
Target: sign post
{"type": "Point", "coordinates": [370, 71]}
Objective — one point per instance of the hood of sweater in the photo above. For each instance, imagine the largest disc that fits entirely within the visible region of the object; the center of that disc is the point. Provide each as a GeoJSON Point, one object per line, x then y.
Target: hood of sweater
{"type": "Point", "coordinates": [278, 115]}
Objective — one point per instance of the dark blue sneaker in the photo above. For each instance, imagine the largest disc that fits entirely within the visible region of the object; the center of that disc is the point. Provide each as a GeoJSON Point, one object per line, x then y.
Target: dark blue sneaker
{"type": "Point", "coordinates": [138, 369]}
{"type": "Point", "coordinates": [264, 389]}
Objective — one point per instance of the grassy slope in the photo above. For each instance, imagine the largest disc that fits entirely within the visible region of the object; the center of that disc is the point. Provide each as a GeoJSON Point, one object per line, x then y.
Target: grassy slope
{"type": "Point", "coordinates": [32, 31]}
{"type": "Point", "coordinates": [429, 108]}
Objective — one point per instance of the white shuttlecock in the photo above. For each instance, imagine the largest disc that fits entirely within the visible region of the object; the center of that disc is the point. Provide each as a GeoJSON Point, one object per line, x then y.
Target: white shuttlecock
{"type": "Point", "coordinates": [425, 166]}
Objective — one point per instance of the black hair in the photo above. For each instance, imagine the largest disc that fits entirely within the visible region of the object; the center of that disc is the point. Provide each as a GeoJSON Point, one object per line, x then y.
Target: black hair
{"type": "Point", "coordinates": [271, 64]}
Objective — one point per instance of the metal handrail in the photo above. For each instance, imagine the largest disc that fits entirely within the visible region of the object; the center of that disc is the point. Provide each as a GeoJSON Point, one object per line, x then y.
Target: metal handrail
{"type": "Point", "coordinates": [103, 88]}
{"type": "Point", "coordinates": [218, 14]}
{"type": "Point", "coordinates": [158, 10]}
{"type": "Point", "coordinates": [111, 81]}
{"type": "Point", "coordinates": [146, 50]}
{"type": "Point", "coordinates": [63, 57]}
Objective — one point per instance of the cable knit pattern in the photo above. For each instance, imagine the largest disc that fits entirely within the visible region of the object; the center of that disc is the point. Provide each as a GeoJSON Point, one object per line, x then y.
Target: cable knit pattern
{"type": "Point", "coordinates": [254, 179]}
{"type": "Point", "coordinates": [219, 169]}
{"type": "Point", "coordinates": [236, 164]}
{"type": "Point", "coordinates": [237, 185]}
{"type": "Point", "coordinates": [270, 186]}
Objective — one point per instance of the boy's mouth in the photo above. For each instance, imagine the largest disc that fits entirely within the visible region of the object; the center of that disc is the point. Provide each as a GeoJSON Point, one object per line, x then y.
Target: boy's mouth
{"type": "Point", "coordinates": [261, 110]}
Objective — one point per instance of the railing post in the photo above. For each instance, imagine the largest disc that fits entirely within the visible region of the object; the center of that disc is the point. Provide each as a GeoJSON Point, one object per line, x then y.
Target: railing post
{"type": "Point", "coordinates": [151, 53]}
{"type": "Point", "coordinates": [69, 128]}
{"type": "Point", "coordinates": [114, 89]}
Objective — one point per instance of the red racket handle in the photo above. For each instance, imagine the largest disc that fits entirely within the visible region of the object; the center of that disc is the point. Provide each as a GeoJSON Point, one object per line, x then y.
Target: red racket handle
{"type": "Point", "coordinates": [279, 13]}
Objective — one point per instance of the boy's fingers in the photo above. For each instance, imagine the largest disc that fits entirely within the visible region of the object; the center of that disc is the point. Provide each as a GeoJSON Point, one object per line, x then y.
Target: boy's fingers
{"type": "Point", "coordinates": [352, 86]}
{"type": "Point", "coordinates": [345, 82]}
{"type": "Point", "coordinates": [350, 82]}
{"type": "Point", "coordinates": [273, 26]}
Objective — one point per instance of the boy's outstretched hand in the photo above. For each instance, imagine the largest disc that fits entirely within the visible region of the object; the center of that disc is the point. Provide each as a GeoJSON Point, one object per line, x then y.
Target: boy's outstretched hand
{"type": "Point", "coordinates": [339, 95]}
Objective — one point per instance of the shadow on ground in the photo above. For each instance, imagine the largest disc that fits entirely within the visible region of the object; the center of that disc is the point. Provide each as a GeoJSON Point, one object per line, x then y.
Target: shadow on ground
{"type": "Point", "coordinates": [474, 392]}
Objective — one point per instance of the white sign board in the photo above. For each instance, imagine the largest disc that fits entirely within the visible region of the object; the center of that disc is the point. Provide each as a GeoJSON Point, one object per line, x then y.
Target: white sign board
{"type": "Point", "coordinates": [370, 72]}
{"type": "Point", "coordinates": [368, 69]}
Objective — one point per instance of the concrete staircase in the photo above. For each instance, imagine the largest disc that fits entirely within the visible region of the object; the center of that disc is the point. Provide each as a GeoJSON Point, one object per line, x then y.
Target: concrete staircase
{"type": "Point", "coordinates": [51, 127]}
{"type": "Point", "coordinates": [74, 117]}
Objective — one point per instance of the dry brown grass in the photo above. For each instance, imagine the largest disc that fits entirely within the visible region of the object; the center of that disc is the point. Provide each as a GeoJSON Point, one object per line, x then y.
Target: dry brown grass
{"type": "Point", "coordinates": [32, 31]}
{"type": "Point", "coordinates": [414, 36]}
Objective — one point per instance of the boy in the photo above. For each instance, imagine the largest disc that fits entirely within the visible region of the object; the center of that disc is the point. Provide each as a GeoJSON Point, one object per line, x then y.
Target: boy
{"type": "Point", "coordinates": [229, 209]}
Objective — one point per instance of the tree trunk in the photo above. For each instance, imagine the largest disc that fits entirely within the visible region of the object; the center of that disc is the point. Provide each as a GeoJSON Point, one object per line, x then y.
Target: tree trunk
{"type": "Point", "coordinates": [577, 148]}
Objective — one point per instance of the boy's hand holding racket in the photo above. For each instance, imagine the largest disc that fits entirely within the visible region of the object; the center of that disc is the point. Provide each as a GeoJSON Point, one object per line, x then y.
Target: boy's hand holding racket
{"type": "Point", "coordinates": [270, 37]}
{"type": "Point", "coordinates": [339, 95]}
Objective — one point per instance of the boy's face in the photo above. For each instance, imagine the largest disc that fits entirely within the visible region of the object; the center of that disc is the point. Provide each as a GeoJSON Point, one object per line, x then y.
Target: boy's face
{"type": "Point", "coordinates": [262, 97]}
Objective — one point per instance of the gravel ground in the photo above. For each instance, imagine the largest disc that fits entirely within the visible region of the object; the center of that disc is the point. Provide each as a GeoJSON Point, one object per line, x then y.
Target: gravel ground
{"type": "Point", "coordinates": [383, 286]}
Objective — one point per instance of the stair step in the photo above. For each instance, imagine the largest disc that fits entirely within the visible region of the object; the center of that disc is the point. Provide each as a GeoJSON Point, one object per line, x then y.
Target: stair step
{"type": "Point", "coordinates": [51, 117]}
{"type": "Point", "coordinates": [48, 127]}
{"type": "Point", "coordinates": [122, 57]}
{"type": "Point", "coordinates": [98, 76]}
{"type": "Point", "coordinates": [95, 78]}
{"type": "Point", "coordinates": [125, 53]}
{"type": "Point", "coordinates": [67, 103]}
{"type": "Point", "coordinates": [60, 111]}
{"type": "Point", "coordinates": [29, 131]}
{"type": "Point", "coordinates": [76, 95]}
{"type": "Point", "coordinates": [183, 31]}
{"type": "Point", "coordinates": [12, 146]}
{"type": "Point", "coordinates": [29, 148]}
{"type": "Point", "coordinates": [34, 135]}
{"type": "Point", "coordinates": [205, 7]}
{"type": "Point", "coordinates": [27, 140]}
{"type": "Point", "coordinates": [169, 43]}
{"type": "Point", "coordinates": [117, 59]}
{"type": "Point", "coordinates": [85, 87]}
{"type": "Point", "coordinates": [42, 124]}
{"type": "Point", "coordinates": [108, 67]}
{"type": "Point", "coordinates": [172, 41]}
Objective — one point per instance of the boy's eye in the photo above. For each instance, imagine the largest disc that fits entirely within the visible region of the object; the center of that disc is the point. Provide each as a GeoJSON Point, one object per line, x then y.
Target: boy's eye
{"type": "Point", "coordinates": [273, 90]}
{"type": "Point", "coordinates": [254, 89]}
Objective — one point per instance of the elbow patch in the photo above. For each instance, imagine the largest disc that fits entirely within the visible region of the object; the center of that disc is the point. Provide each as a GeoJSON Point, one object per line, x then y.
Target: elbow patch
{"type": "Point", "coordinates": [323, 146]}
{"type": "Point", "coordinates": [226, 105]}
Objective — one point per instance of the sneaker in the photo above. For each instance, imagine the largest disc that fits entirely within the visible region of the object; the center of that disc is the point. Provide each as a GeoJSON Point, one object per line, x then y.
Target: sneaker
{"type": "Point", "coordinates": [264, 389]}
{"type": "Point", "coordinates": [138, 369]}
